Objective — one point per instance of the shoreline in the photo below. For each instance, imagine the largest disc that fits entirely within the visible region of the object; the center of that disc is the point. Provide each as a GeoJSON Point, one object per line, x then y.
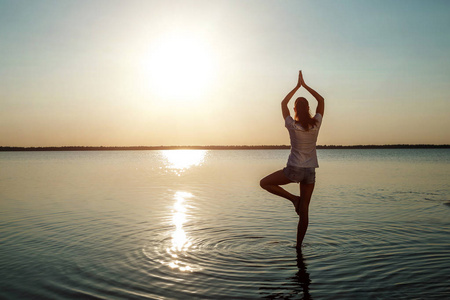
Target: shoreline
{"type": "Point", "coordinates": [261, 147]}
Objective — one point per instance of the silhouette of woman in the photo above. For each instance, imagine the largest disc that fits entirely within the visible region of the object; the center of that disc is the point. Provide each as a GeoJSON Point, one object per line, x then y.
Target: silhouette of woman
{"type": "Point", "coordinates": [302, 161]}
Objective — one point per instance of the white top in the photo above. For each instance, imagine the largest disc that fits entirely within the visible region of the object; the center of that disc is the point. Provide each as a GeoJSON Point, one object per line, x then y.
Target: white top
{"type": "Point", "coordinates": [303, 143]}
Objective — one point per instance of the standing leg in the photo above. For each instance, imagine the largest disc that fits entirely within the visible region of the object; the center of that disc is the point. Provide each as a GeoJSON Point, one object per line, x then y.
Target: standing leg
{"type": "Point", "coordinates": [272, 182]}
{"type": "Point", "coordinates": [306, 190]}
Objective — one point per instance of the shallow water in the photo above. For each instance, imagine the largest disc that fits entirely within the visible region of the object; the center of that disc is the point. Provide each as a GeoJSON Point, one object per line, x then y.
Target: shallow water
{"type": "Point", "coordinates": [195, 224]}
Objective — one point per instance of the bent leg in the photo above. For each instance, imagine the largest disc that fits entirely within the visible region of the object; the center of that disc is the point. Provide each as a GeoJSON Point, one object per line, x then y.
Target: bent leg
{"type": "Point", "coordinates": [272, 182]}
{"type": "Point", "coordinates": [306, 190]}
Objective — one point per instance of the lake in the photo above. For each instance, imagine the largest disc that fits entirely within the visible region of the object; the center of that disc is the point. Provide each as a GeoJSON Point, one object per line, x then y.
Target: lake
{"type": "Point", "coordinates": [194, 224]}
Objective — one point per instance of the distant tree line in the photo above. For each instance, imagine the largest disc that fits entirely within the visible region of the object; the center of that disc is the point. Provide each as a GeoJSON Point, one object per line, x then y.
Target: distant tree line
{"type": "Point", "coordinates": [266, 147]}
{"type": "Point", "coordinates": [398, 146]}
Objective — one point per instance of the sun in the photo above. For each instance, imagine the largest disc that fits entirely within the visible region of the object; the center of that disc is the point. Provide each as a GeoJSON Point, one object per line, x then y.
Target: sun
{"type": "Point", "coordinates": [180, 66]}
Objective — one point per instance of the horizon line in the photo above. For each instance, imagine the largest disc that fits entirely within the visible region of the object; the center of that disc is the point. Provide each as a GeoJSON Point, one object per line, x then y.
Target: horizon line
{"type": "Point", "coordinates": [217, 147]}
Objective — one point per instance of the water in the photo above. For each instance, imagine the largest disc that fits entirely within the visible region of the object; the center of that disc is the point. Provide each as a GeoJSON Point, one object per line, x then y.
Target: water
{"type": "Point", "coordinates": [196, 225]}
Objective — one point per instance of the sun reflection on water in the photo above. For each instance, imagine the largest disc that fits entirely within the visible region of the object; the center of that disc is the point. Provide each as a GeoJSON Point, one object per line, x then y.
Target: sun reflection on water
{"type": "Point", "coordinates": [179, 239]}
{"type": "Point", "coordinates": [181, 160]}
{"type": "Point", "coordinates": [180, 242]}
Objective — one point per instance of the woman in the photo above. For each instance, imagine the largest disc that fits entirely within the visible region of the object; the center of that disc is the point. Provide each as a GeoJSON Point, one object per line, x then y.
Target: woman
{"type": "Point", "coordinates": [302, 161]}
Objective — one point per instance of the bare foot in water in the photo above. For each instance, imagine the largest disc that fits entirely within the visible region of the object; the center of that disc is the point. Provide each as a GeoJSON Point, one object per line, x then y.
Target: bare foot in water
{"type": "Point", "coordinates": [297, 204]}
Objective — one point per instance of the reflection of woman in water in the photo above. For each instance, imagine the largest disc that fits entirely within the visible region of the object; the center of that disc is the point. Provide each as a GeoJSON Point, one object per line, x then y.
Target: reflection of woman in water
{"type": "Point", "coordinates": [302, 161]}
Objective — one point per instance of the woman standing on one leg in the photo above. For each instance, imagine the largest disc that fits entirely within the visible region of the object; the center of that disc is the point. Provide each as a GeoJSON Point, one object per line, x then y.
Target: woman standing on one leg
{"type": "Point", "coordinates": [302, 161]}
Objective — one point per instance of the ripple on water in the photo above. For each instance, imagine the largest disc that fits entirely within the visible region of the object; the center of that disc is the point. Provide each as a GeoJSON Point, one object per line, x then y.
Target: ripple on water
{"type": "Point", "coordinates": [351, 255]}
{"type": "Point", "coordinates": [400, 253]}
{"type": "Point", "coordinates": [216, 262]}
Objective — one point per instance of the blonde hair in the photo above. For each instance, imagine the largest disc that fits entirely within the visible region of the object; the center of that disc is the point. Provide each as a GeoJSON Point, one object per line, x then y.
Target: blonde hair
{"type": "Point", "coordinates": [303, 115]}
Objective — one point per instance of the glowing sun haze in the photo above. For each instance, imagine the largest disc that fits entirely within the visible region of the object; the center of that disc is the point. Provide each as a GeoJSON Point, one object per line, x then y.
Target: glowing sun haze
{"type": "Point", "coordinates": [127, 73]}
{"type": "Point", "coordinates": [180, 66]}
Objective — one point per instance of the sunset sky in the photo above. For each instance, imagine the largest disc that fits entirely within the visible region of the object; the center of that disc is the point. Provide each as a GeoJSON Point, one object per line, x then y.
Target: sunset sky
{"type": "Point", "coordinates": [130, 73]}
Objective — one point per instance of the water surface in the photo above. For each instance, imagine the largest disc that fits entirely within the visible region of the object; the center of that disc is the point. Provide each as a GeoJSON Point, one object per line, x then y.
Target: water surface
{"type": "Point", "coordinates": [195, 224]}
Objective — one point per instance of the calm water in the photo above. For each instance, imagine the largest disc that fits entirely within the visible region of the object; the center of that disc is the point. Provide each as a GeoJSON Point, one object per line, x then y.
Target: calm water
{"type": "Point", "coordinates": [196, 225]}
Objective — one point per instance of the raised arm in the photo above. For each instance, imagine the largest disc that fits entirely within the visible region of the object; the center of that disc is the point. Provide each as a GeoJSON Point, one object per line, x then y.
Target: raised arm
{"type": "Point", "coordinates": [284, 103]}
{"type": "Point", "coordinates": [320, 100]}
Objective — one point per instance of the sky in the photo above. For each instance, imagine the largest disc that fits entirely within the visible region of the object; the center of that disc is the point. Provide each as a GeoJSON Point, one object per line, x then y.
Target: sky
{"type": "Point", "coordinates": [151, 73]}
